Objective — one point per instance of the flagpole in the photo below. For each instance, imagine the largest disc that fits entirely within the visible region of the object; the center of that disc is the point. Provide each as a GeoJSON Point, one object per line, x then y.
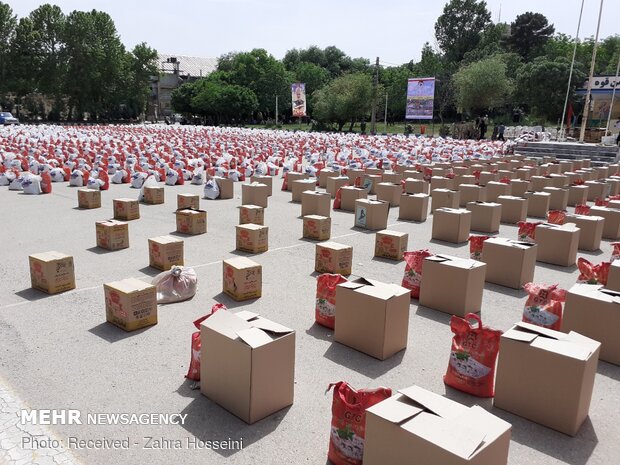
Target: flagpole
{"type": "Point", "coordinates": [613, 97]}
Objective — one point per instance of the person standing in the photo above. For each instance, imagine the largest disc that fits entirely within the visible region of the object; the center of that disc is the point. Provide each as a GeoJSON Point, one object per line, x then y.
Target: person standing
{"type": "Point", "coordinates": [483, 127]}
{"type": "Point", "coordinates": [500, 135]}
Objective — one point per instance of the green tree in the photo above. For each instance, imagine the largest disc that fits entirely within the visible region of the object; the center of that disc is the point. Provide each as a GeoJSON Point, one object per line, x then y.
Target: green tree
{"type": "Point", "coordinates": [528, 34]}
{"type": "Point", "coordinates": [314, 77]}
{"type": "Point", "coordinates": [223, 102]}
{"type": "Point", "coordinates": [482, 86]}
{"type": "Point", "coordinates": [24, 59]}
{"type": "Point", "coordinates": [140, 66]}
{"type": "Point", "coordinates": [459, 28]}
{"type": "Point", "coordinates": [394, 82]}
{"type": "Point", "coordinates": [8, 23]}
{"type": "Point", "coordinates": [182, 98]}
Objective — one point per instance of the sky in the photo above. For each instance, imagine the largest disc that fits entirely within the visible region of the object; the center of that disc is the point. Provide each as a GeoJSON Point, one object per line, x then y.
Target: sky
{"type": "Point", "coordinates": [394, 30]}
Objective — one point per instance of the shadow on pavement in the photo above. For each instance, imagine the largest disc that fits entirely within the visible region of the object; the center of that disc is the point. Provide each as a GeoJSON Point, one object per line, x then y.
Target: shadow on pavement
{"type": "Point", "coordinates": [609, 370]}
{"type": "Point", "coordinates": [448, 244]}
{"type": "Point", "coordinates": [561, 269]}
{"type": "Point", "coordinates": [360, 362]}
{"type": "Point", "coordinates": [112, 333]}
{"type": "Point", "coordinates": [225, 299]}
{"type": "Point", "coordinates": [386, 260]}
{"type": "Point", "coordinates": [434, 315]}
{"type": "Point", "coordinates": [320, 332]}
{"type": "Point", "coordinates": [32, 294]}
{"type": "Point", "coordinates": [100, 251]}
{"type": "Point", "coordinates": [519, 293]}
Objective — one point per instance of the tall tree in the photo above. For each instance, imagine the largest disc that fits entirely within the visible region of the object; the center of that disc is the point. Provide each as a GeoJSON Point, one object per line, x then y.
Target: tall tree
{"type": "Point", "coordinates": [482, 86]}
{"type": "Point", "coordinates": [459, 28]}
{"type": "Point", "coordinates": [48, 22]}
{"type": "Point", "coordinates": [8, 23]}
{"type": "Point", "coordinates": [140, 66]}
{"type": "Point", "coordinates": [528, 34]}
{"type": "Point", "coordinates": [24, 59]}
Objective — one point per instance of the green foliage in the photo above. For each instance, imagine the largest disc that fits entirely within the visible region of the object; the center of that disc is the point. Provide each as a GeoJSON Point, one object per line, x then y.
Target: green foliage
{"type": "Point", "coordinates": [347, 98]}
{"type": "Point", "coordinates": [182, 97]}
{"type": "Point", "coordinates": [528, 34]}
{"type": "Point", "coordinates": [483, 85]}
{"type": "Point", "coordinates": [223, 102]}
{"type": "Point", "coordinates": [8, 23]}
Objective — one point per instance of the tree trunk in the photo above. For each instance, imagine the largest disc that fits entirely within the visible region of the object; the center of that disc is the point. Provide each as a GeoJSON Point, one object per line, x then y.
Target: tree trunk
{"type": "Point", "coordinates": [341, 125]}
{"type": "Point", "coordinates": [351, 126]}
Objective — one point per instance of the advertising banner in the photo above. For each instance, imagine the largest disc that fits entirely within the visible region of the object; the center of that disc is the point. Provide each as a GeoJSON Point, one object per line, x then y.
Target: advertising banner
{"type": "Point", "coordinates": [298, 92]}
{"type": "Point", "coordinates": [420, 98]}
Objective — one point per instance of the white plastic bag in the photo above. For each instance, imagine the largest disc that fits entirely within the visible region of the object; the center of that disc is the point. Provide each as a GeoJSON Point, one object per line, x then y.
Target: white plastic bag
{"type": "Point", "coordinates": [149, 182]}
{"type": "Point", "coordinates": [212, 190]}
{"type": "Point", "coordinates": [137, 179]}
{"type": "Point", "coordinates": [32, 184]}
{"type": "Point", "coordinates": [177, 284]}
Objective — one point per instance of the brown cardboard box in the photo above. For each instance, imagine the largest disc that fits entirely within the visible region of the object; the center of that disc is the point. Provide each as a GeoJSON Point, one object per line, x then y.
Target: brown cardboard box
{"type": "Point", "coordinates": [242, 278]}
{"type": "Point", "coordinates": [557, 244]}
{"type": "Point", "coordinates": [451, 225]}
{"type": "Point", "coordinates": [130, 304]}
{"type": "Point", "coordinates": [578, 195]}
{"type": "Point", "coordinates": [331, 257]}
{"type": "Point", "coordinates": [188, 201]}
{"type": "Point", "coordinates": [389, 192]}
{"type": "Point", "coordinates": [301, 186]}
{"type": "Point", "coordinates": [89, 198]}
{"type": "Point", "coordinates": [559, 180]}
{"type": "Point", "coordinates": [371, 214]}
{"type": "Point", "coordinates": [227, 187]}
{"type": "Point", "coordinates": [495, 189]}
{"type": "Point", "coordinates": [418, 427]}
{"type": "Point", "coordinates": [112, 234]}
{"type": "Point", "coordinates": [374, 171]}
{"type": "Point", "coordinates": [165, 252]}
{"type": "Point", "coordinates": [266, 180]}
{"type": "Point", "coordinates": [602, 172]}
{"type": "Point", "coordinates": [391, 244]}
{"type": "Point", "coordinates": [255, 194]}
{"type": "Point", "coordinates": [333, 184]}
{"type": "Point", "coordinates": [413, 174]}
{"type": "Point", "coordinates": [506, 174]}
{"type": "Point", "coordinates": [353, 174]}
{"type": "Point", "coordinates": [452, 285]}
{"type": "Point", "coordinates": [565, 166]}
{"type": "Point", "coordinates": [509, 263]}
{"type": "Point", "coordinates": [247, 364]}
{"type": "Point", "coordinates": [327, 173]}
{"type": "Point", "coordinates": [52, 272]}
{"type": "Point", "coordinates": [191, 221]}
{"type": "Point", "coordinates": [315, 203]}
{"type": "Point", "coordinates": [441, 198]}
{"type": "Point", "coordinates": [413, 207]}
{"type": "Point", "coordinates": [372, 317]}
{"type": "Point", "coordinates": [613, 279]}
{"type": "Point", "coordinates": [461, 170]}
{"type": "Point", "coordinates": [591, 230]}
{"type": "Point", "coordinates": [392, 178]}
{"type": "Point", "coordinates": [439, 182]}
{"type": "Point", "coordinates": [594, 311]}
{"type": "Point", "coordinates": [317, 227]}
{"type": "Point", "coordinates": [349, 195]}
{"type": "Point", "coordinates": [614, 186]}
{"type": "Point", "coordinates": [514, 209]}
{"type": "Point", "coordinates": [251, 214]}
{"type": "Point", "coordinates": [486, 177]}
{"type": "Point", "coordinates": [154, 195]}
{"type": "Point", "coordinates": [540, 182]}
{"type": "Point", "coordinates": [611, 227]}
{"type": "Point", "coordinates": [598, 190]}
{"type": "Point", "coordinates": [438, 172]}
{"type": "Point", "coordinates": [416, 186]}
{"type": "Point", "coordinates": [464, 179]}
{"type": "Point", "coordinates": [292, 177]}
{"type": "Point", "coordinates": [126, 209]}
{"type": "Point", "coordinates": [252, 238]}
{"type": "Point", "coordinates": [485, 216]}
{"type": "Point", "coordinates": [370, 181]}
{"type": "Point", "coordinates": [546, 376]}
{"type": "Point", "coordinates": [471, 193]}
{"type": "Point", "coordinates": [519, 187]}
{"type": "Point", "coordinates": [524, 174]}
{"type": "Point", "coordinates": [558, 199]}
{"type": "Point", "coordinates": [537, 204]}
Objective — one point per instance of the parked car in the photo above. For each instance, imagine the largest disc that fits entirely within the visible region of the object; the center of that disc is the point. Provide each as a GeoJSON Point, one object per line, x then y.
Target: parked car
{"type": "Point", "coordinates": [7, 118]}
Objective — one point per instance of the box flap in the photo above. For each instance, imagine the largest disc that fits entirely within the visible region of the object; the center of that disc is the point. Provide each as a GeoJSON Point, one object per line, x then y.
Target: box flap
{"type": "Point", "coordinates": [241, 263]}
{"type": "Point", "coordinates": [517, 335]}
{"type": "Point", "coordinates": [434, 403]}
{"type": "Point", "coordinates": [396, 409]}
{"type": "Point", "coordinates": [246, 315]}
{"type": "Point", "coordinates": [457, 262]}
{"type": "Point", "coordinates": [567, 348]}
{"type": "Point", "coordinates": [254, 337]}
{"type": "Point", "coordinates": [270, 326]}
{"type": "Point", "coordinates": [226, 323]}
{"type": "Point", "coordinates": [129, 285]}
{"type": "Point", "coordinates": [539, 330]}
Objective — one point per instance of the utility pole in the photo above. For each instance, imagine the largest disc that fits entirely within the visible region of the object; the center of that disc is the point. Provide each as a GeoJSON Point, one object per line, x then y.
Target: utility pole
{"type": "Point", "coordinates": [373, 114]}
{"type": "Point", "coordinates": [385, 114]}
{"type": "Point", "coordinates": [276, 110]}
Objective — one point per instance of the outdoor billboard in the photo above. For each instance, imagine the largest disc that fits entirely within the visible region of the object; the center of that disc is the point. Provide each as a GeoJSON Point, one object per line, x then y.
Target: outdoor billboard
{"type": "Point", "coordinates": [298, 92]}
{"type": "Point", "coordinates": [420, 98]}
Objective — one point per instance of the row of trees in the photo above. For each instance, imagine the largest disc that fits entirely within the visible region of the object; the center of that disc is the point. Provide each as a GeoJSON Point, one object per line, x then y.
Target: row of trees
{"type": "Point", "coordinates": [54, 65]}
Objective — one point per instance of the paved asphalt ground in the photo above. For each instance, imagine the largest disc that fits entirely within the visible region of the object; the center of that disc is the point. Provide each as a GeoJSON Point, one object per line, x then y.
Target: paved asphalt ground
{"type": "Point", "coordinates": [58, 352]}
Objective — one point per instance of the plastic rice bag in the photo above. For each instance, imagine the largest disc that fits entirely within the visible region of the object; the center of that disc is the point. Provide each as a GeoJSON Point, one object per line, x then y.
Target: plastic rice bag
{"type": "Point", "coordinates": [338, 199]}
{"type": "Point", "coordinates": [31, 184]}
{"type": "Point", "coordinates": [601, 202]}
{"type": "Point", "coordinates": [472, 358]}
{"type": "Point", "coordinates": [615, 253]}
{"type": "Point", "coordinates": [346, 439]}
{"type": "Point", "coordinates": [582, 210]}
{"type": "Point", "coordinates": [137, 179]}
{"type": "Point", "coordinates": [592, 274]}
{"type": "Point", "coordinates": [527, 231]}
{"type": "Point", "coordinates": [475, 246]}
{"type": "Point", "coordinates": [149, 182]}
{"type": "Point", "coordinates": [413, 271]}
{"type": "Point", "coordinates": [175, 285]}
{"type": "Point", "coordinates": [193, 372]}
{"type": "Point", "coordinates": [325, 307]}
{"type": "Point", "coordinates": [556, 217]}
{"type": "Point", "coordinates": [544, 305]}
{"type": "Point", "coordinates": [212, 190]}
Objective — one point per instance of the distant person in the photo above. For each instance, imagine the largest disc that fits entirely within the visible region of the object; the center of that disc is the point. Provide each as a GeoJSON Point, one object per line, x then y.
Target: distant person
{"type": "Point", "coordinates": [500, 134]}
{"type": "Point", "coordinates": [495, 132]}
{"type": "Point", "coordinates": [483, 127]}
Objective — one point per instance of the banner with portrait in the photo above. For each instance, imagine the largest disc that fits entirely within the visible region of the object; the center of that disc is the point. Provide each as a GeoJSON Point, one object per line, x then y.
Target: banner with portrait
{"type": "Point", "coordinates": [298, 92]}
{"type": "Point", "coordinates": [420, 98]}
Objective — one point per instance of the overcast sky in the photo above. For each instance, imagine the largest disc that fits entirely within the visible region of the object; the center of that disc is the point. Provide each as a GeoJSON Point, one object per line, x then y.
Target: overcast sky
{"type": "Point", "coordinates": [393, 30]}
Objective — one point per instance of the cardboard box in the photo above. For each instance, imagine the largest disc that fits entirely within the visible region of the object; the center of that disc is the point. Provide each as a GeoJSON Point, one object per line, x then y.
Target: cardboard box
{"type": "Point", "coordinates": [519, 187]}
{"type": "Point", "coordinates": [191, 221]}
{"type": "Point", "coordinates": [485, 216]}
{"type": "Point", "coordinates": [154, 195]}
{"type": "Point", "coordinates": [559, 180]}
{"type": "Point", "coordinates": [613, 279]}
{"type": "Point", "coordinates": [509, 263]}
{"type": "Point", "coordinates": [391, 244]}
{"type": "Point", "coordinates": [471, 193]}
{"type": "Point", "coordinates": [524, 174]}
{"type": "Point", "coordinates": [317, 227]}
{"type": "Point", "coordinates": [413, 207]}
{"type": "Point", "coordinates": [389, 192]}
{"type": "Point", "coordinates": [227, 187]}
{"type": "Point", "coordinates": [565, 165]}
{"type": "Point", "coordinates": [247, 364]}
{"type": "Point", "coordinates": [301, 186]}
{"type": "Point", "coordinates": [392, 178]}
{"type": "Point", "coordinates": [591, 230]}
{"type": "Point", "coordinates": [537, 204]}
{"type": "Point", "coordinates": [464, 179]}
{"type": "Point", "coordinates": [514, 209]}
{"type": "Point", "coordinates": [495, 189]}
{"type": "Point", "coordinates": [602, 172]}
{"type": "Point", "coordinates": [188, 201]}
{"type": "Point", "coordinates": [614, 185]}
{"type": "Point", "coordinates": [165, 252]}
{"type": "Point", "coordinates": [130, 304]}
{"type": "Point", "coordinates": [444, 198]}
{"type": "Point", "coordinates": [252, 238]}
{"type": "Point", "coordinates": [242, 278]}
{"type": "Point", "coordinates": [292, 177]}
{"type": "Point", "coordinates": [577, 195]}
{"type": "Point", "coordinates": [89, 198]}
{"type": "Point", "coordinates": [327, 173]}
{"type": "Point", "coordinates": [371, 214]}
{"type": "Point", "coordinates": [374, 171]}
{"type": "Point", "coordinates": [598, 190]}
{"type": "Point", "coordinates": [373, 317]}
{"type": "Point", "coordinates": [451, 225]}
{"type": "Point", "coordinates": [418, 427]}
{"type": "Point", "coordinates": [331, 257]}
{"type": "Point", "coordinates": [413, 174]}
{"type": "Point", "coordinates": [558, 199]}
{"type": "Point", "coordinates": [315, 203]}
{"type": "Point", "coordinates": [594, 311]}
{"type": "Point", "coordinates": [439, 182]}
{"type": "Point", "coordinates": [353, 174]}
{"type": "Point", "coordinates": [255, 194]}
{"type": "Point", "coordinates": [112, 234]}
{"type": "Point", "coordinates": [126, 209]}
{"type": "Point", "coordinates": [333, 184]}
{"type": "Point", "coordinates": [416, 186]}
{"type": "Point", "coordinates": [540, 182]}
{"type": "Point", "coordinates": [486, 177]}
{"type": "Point", "coordinates": [611, 227]}
{"type": "Point", "coordinates": [349, 195]}
{"type": "Point", "coordinates": [452, 285]}
{"type": "Point", "coordinates": [546, 376]}
{"type": "Point", "coordinates": [52, 272]}
{"type": "Point", "coordinates": [251, 214]}
{"type": "Point", "coordinates": [370, 181]}
{"type": "Point", "coordinates": [557, 244]}
{"type": "Point", "coordinates": [266, 180]}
